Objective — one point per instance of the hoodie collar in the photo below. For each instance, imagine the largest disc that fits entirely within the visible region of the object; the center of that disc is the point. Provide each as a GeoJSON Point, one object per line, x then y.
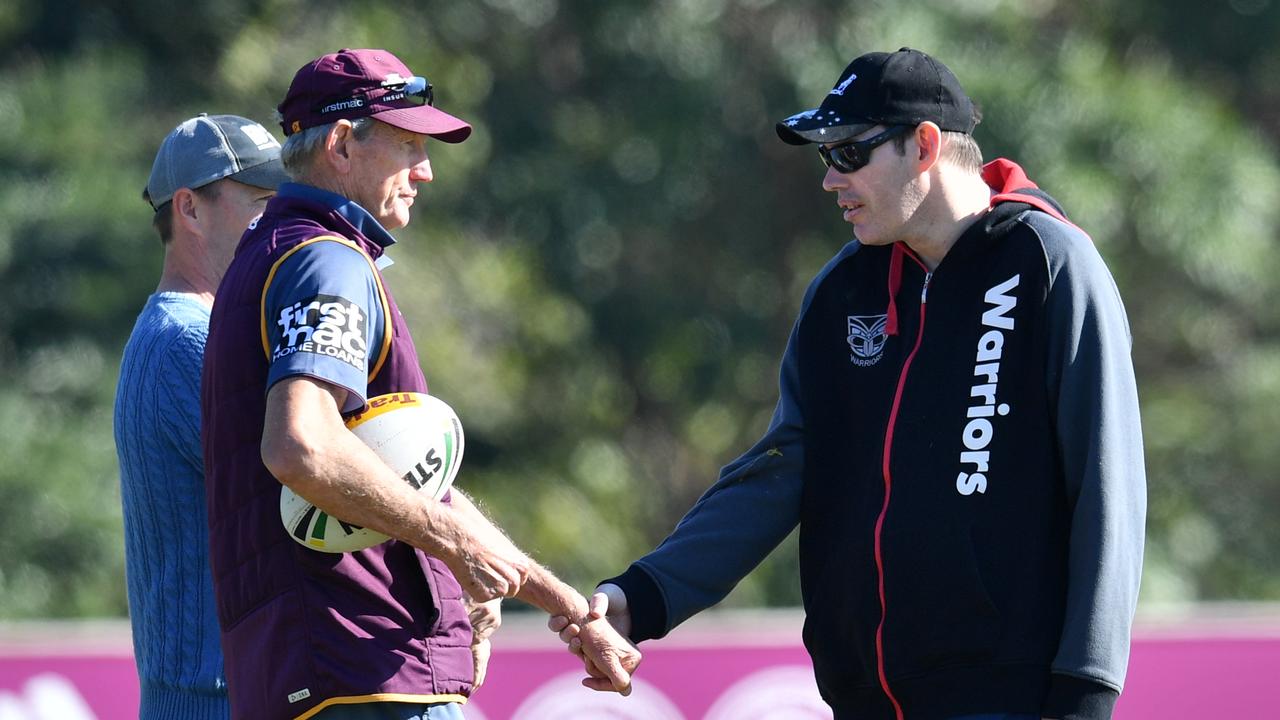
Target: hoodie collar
{"type": "Point", "coordinates": [1010, 185]}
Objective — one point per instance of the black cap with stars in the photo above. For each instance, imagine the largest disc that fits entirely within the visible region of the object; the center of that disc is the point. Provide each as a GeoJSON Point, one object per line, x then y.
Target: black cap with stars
{"type": "Point", "coordinates": [903, 88]}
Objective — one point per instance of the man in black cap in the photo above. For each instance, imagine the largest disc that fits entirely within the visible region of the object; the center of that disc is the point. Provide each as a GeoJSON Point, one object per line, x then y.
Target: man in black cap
{"type": "Point", "coordinates": [957, 435]}
{"type": "Point", "coordinates": [211, 178]}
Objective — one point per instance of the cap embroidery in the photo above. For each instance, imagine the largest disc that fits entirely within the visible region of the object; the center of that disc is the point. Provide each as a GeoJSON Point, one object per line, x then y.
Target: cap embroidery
{"type": "Point", "coordinates": [260, 137]}
{"type": "Point", "coordinates": [839, 89]}
{"type": "Point", "coordinates": [795, 119]}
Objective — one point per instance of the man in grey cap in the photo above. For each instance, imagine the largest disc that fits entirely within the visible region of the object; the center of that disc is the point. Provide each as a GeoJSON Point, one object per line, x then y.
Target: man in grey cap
{"type": "Point", "coordinates": [211, 179]}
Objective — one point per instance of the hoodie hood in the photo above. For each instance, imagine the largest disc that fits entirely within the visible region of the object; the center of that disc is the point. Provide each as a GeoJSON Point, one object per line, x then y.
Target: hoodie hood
{"type": "Point", "coordinates": [1014, 191]}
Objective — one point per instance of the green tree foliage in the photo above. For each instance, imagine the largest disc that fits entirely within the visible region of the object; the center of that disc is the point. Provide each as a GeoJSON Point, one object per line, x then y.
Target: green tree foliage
{"type": "Point", "coordinates": [602, 280]}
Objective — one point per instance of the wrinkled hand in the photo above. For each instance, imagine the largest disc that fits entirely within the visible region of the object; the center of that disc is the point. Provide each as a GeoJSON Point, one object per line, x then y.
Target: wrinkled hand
{"type": "Point", "coordinates": [601, 640]}
{"type": "Point", "coordinates": [486, 618]}
{"type": "Point", "coordinates": [480, 651]}
{"type": "Point", "coordinates": [609, 658]}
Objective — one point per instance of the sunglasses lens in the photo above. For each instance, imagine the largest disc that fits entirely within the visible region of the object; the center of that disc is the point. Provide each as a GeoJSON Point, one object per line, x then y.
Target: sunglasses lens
{"type": "Point", "coordinates": [853, 155]}
{"type": "Point", "coordinates": [848, 159]}
{"type": "Point", "coordinates": [844, 158]}
{"type": "Point", "coordinates": [418, 90]}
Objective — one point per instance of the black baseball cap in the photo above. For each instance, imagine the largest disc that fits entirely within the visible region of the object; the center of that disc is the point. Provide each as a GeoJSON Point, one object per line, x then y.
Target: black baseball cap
{"type": "Point", "coordinates": [906, 87]}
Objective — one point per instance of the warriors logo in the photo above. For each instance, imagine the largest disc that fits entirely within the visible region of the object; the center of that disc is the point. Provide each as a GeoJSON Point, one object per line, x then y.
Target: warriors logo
{"type": "Point", "coordinates": [866, 338]}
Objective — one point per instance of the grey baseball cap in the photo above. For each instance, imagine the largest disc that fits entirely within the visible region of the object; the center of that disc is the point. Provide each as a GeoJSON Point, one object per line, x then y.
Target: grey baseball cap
{"type": "Point", "coordinates": [211, 147]}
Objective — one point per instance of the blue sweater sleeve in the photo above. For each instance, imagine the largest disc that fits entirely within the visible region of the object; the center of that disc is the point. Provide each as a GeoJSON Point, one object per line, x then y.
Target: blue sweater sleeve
{"type": "Point", "coordinates": [713, 547]}
{"type": "Point", "coordinates": [179, 384]}
{"type": "Point", "coordinates": [1099, 435]}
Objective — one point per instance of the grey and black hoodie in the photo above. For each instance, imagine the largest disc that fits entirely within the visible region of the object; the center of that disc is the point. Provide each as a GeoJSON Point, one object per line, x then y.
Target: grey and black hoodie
{"type": "Point", "coordinates": [963, 454]}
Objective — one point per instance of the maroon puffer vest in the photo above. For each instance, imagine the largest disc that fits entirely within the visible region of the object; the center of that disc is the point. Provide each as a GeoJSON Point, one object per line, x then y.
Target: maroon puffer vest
{"type": "Point", "coordinates": [302, 628]}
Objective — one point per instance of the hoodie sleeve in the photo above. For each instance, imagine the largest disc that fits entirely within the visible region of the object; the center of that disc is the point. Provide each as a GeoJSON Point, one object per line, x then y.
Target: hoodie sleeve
{"type": "Point", "coordinates": [751, 508]}
{"type": "Point", "coordinates": [1099, 435]}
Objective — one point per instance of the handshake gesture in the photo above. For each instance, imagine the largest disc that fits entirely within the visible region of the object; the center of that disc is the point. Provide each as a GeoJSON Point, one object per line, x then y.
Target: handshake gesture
{"type": "Point", "coordinates": [489, 567]}
{"type": "Point", "coordinates": [600, 640]}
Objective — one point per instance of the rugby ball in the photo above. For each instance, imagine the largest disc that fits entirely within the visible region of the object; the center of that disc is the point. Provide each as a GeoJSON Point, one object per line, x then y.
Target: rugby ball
{"type": "Point", "coordinates": [416, 435]}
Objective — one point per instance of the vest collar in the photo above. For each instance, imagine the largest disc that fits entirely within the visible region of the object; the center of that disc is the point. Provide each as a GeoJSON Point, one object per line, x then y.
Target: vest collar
{"type": "Point", "coordinates": [351, 211]}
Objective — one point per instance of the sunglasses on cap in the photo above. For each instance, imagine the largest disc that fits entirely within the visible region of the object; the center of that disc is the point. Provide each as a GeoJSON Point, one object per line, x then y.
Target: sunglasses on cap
{"type": "Point", "coordinates": [853, 155]}
{"type": "Point", "coordinates": [415, 91]}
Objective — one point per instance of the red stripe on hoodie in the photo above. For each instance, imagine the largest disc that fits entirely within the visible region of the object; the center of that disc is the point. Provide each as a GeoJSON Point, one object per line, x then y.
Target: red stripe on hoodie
{"type": "Point", "coordinates": [895, 282]}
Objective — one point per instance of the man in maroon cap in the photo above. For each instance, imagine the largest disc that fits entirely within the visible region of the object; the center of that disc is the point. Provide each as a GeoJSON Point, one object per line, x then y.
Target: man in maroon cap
{"type": "Point", "coordinates": [303, 333]}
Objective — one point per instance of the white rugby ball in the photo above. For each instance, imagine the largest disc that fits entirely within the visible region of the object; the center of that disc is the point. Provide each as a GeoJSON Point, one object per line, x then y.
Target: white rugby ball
{"type": "Point", "coordinates": [416, 435]}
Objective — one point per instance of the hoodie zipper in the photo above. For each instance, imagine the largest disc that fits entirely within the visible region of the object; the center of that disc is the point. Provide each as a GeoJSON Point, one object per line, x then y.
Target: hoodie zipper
{"type": "Point", "coordinates": [888, 487]}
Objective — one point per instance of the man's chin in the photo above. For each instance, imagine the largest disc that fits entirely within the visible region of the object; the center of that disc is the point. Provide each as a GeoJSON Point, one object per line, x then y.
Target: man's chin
{"type": "Point", "coordinates": [394, 221]}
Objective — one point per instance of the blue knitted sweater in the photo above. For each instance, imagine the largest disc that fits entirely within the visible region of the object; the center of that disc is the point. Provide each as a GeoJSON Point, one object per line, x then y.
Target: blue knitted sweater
{"type": "Point", "coordinates": [157, 432]}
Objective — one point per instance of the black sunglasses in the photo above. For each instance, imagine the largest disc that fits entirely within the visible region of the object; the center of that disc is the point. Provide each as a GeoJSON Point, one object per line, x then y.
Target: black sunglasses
{"type": "Point", "coordinates": [416, 90]}
{"type": "Point", "coordinates": [852, 156]}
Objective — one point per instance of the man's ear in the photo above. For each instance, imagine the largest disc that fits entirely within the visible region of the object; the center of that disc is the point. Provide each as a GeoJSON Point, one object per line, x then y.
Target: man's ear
{"type": "Point", "coordinates": [186, 210]}
{"type": "Point", "coordinates": [338, 145]}
{"type": "Point", "coordinates": [929, 142]}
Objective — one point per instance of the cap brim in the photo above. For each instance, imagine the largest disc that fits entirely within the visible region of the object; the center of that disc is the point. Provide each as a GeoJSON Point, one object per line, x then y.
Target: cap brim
{"type": "Point", "coordinates": [807, 127]}
{"type": "Point", "coordinates": [268, 175]}
{"type": "Point", "coordinates": [427, 120]}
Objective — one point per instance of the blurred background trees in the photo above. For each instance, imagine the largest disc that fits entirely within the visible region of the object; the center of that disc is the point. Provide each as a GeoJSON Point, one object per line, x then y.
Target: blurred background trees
{"type": "Point", "coordinates": [602, 279]}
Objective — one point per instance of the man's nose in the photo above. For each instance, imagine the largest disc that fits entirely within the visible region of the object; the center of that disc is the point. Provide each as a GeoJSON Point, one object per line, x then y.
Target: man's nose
{"type": "Point", "coordinates": [421, 172]}
{"type": "Point", "coordinates": [833, 180]}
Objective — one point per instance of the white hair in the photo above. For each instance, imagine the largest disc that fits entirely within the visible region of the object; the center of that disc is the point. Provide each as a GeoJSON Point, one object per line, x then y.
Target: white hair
{"type": "Point", "coordinates": [301, 148]}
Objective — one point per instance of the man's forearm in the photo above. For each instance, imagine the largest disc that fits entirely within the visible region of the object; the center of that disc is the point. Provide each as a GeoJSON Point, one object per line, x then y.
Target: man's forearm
{"type": "Point", "coordinates": [543, 589]}
{"type": "Point", "coordinates": [306, 447]}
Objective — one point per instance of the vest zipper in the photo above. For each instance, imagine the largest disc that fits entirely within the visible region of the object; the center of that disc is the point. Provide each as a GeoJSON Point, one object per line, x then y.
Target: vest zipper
{"type": "Point", "coordinates": [884, 509]}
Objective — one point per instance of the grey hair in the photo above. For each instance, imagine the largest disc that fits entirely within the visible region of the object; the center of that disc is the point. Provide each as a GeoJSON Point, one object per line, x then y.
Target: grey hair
{"type": "Point", "coordinates": [301, 148]}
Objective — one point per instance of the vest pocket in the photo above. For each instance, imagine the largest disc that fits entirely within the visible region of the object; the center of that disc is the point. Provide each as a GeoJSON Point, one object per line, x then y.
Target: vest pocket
{"type": "Point", "coordinates": [937, 609]}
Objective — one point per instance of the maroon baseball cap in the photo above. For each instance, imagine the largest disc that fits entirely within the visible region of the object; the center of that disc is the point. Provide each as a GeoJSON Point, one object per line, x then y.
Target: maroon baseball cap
{"type": "Point", "coordinates": [352, 84]}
